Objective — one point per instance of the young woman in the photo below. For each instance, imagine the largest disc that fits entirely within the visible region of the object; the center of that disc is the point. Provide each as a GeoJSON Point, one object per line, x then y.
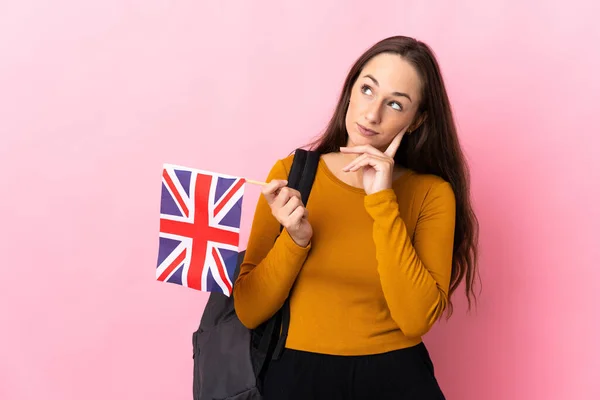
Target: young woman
{"type": "Point", "coordinates": [387, 236]}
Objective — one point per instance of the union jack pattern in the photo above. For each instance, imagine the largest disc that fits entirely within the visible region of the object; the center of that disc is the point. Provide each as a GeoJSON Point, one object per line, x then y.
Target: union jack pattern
{"type": "Point", "coordinates": [200, 215]}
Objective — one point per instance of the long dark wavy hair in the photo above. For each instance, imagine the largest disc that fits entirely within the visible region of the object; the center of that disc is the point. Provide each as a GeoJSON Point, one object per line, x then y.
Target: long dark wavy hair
{"type": "Point", "coordinates": [432, 148]}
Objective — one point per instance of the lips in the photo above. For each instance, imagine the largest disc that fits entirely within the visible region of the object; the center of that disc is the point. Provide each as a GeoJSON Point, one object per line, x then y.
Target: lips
{"type": "Point", "coordinates": [366, 132]}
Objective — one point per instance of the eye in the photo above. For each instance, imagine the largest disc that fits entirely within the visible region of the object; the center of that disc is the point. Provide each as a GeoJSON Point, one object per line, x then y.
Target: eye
{"type": "Point", "coordinates": [366, 90]}
{"type": "Point", "coordinates": [396, 106]}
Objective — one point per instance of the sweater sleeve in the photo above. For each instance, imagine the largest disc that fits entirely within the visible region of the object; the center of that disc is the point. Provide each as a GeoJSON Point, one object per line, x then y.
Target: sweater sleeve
{"type": "Point", "coordinates": [415, 278]}
{"type": "Point", "coordinates": [271, 264]}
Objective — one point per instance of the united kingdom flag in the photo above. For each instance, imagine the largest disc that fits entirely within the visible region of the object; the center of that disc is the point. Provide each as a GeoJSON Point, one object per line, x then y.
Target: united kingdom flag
{"type": "Point", "coordinates": [200, 215]}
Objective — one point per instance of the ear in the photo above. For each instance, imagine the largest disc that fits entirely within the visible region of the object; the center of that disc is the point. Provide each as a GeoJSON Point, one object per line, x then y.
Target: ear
{"type": "Point", "coordinates": [418, 122]}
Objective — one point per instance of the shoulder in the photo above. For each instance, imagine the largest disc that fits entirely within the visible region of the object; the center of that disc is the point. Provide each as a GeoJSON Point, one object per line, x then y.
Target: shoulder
{"type": "Point", "coordinates": [427, 181]}
{"type": "Point", "coordinates": [430, 188]}
{"type": "Point", "coordinates": [286, 162]}
{"type": "Point", "coordinates": [281, 168]}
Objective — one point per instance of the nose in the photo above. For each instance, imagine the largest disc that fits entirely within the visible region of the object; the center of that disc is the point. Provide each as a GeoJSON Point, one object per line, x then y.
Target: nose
{"type": "Point", "coordinates": [373, 114]}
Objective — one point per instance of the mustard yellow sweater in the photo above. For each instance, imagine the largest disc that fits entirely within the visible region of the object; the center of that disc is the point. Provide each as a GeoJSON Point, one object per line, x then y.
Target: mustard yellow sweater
{"type": "Point", "coordinates": [375, 277]}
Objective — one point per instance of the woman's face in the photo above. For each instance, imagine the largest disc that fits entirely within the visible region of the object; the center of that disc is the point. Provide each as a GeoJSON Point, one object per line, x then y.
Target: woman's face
{"type": "Point", "coordinates": [383, 102]}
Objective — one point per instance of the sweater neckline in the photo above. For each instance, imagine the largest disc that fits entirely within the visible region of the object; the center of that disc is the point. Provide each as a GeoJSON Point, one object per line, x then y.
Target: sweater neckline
{"type": "Point", "coordinates": [354, 189]}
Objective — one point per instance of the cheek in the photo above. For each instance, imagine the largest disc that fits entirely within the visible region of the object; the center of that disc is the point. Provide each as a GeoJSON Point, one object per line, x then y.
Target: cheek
{"type": "Point", "coordinates": [348, 120]}
{"type": "Point", "coordinates": [350, 112]}
{"type": "Point", "coordinates": [395, 122]}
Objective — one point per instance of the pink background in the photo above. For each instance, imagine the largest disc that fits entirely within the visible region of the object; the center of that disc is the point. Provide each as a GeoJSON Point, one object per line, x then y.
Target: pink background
{"type": "Point", "coordinates": [96, 95]}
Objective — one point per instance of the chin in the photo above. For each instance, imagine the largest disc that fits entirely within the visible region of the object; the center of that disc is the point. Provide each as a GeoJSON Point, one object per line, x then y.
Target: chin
{"type": "Point", "coordinates": [357, 139]}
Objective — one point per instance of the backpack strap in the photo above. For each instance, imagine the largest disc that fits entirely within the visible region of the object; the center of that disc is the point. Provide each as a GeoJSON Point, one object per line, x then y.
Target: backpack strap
{"type": "Point", "coordinates": [300, 177]}
{"type": "Point", "coordinates": [297, 169]}
{"type": "Point", "coordinates": [308, 175]}
{"type": "Point", "coordinates": [296, 172]}
{"type": "Point", "coordinates": [305, 183]}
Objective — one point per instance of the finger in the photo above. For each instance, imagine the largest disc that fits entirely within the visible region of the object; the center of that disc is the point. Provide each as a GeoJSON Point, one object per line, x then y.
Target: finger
{"type": "Point", "coordinates": [375, 162]}
{"type": "Point", "coordinates": [281, 197]}
{"type": "Point", "coordinates": [393, 147]}
{"type": "Point", "coordinates": [368, 149]}
{"type": "Point", "coordinates": [294, 193]}
{"type": "Point", "coordinates": [288, 192]}
{"type": "Point", "coordinates": [284, 195]}
{"type": "Point", "coordinates": [290, 206]}
{"type": "Point", "coordinates": [270, 189]}
{"type": "Point", "coordinates": [353, 163]}
{"type": "Point", "coordinates": [296, 216]}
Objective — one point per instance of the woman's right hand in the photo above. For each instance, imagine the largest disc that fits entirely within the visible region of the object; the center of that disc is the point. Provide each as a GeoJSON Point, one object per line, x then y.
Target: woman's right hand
{"type": "Point", "coordinates": [286, 206]}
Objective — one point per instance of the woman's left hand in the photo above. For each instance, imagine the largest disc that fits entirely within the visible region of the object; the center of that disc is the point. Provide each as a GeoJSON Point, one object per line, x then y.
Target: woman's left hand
{"type": "Point", "coordinates": [378, 167]}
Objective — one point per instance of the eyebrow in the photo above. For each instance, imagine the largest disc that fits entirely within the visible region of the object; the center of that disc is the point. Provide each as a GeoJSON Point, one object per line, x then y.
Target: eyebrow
{"type": "Point", "coordinates": [395, 93]}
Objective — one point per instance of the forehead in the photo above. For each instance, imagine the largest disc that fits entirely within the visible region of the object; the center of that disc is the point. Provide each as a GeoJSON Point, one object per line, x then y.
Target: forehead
{"type": "Point", "coordinates": [393, 73]}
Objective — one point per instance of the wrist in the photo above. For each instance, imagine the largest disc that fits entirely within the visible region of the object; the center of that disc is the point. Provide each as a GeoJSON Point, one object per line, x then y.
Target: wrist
{"type": "Point", "coordinates": [378, 189]}
{"type": "Point", "coordinates": [300, 242]}
{"type": "Point", "coordinates": [386, 196]}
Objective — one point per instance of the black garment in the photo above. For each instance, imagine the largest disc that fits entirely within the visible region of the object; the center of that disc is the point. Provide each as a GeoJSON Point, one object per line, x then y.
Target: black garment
{"type": "Point", "coordinates": [405, 374]}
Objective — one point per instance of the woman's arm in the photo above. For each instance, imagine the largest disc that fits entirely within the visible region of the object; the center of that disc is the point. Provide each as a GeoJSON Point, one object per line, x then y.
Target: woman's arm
{"type": "Point", "coordinates": [270, 266]}
{"type": "Point", "coordinates": [415, 278]}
